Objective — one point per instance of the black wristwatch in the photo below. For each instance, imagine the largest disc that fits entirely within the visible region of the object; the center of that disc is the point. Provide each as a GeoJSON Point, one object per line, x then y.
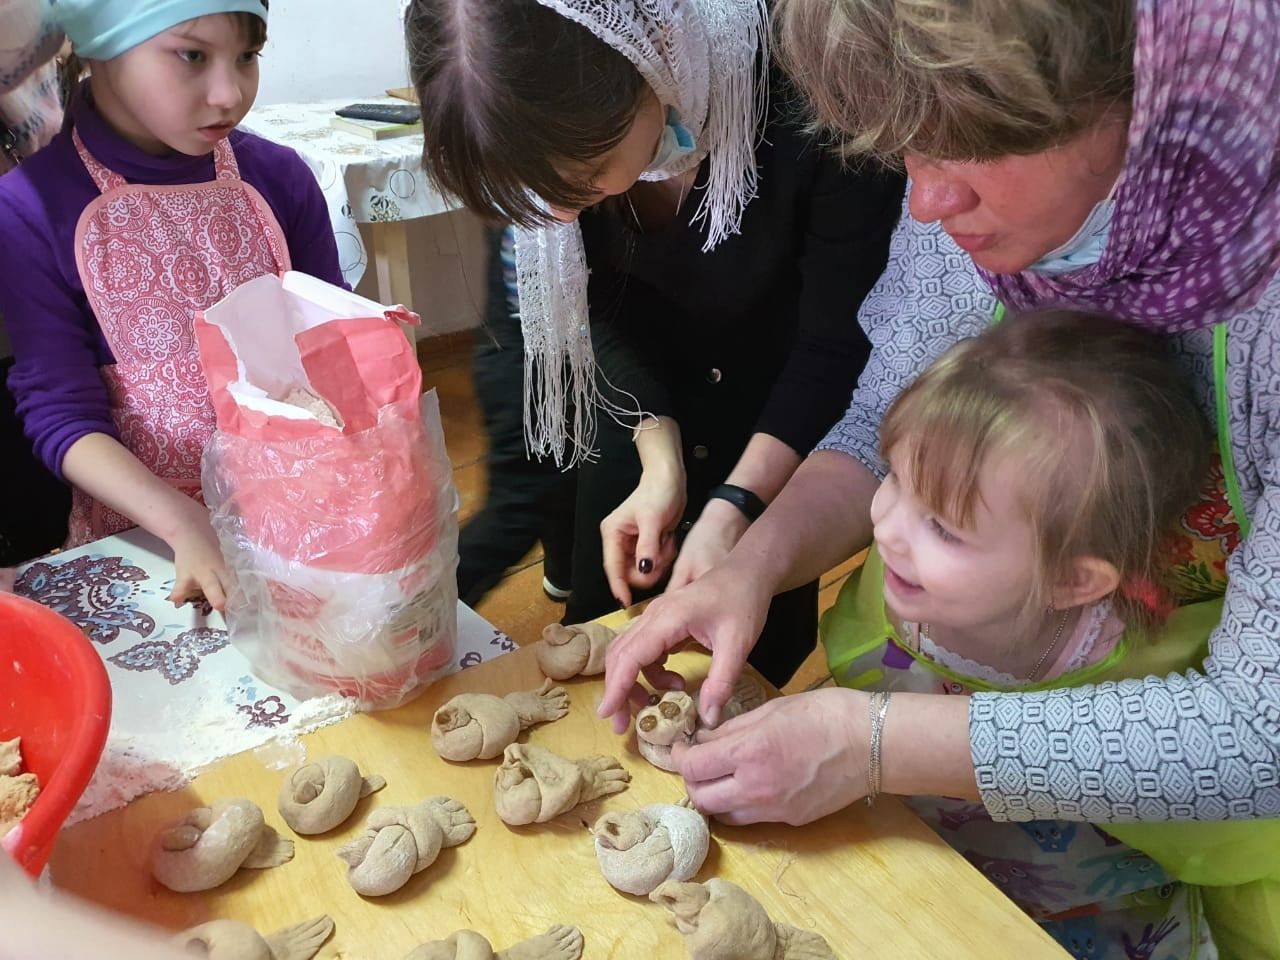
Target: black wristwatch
{"type": "Point", "coordinates": [742, 498]}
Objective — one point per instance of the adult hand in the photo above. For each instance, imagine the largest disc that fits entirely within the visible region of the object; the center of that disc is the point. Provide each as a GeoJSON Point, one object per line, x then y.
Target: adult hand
{"type": "Point", "coordinates": [197, 558]}
{"type": "Point", "coordinates": [793, 760]}
{"type": "Point", "coordinates": [639, 536]}
{"type": "Point", "coordinates": [723, 611]}
{"type": "Point", "coordinates": [717, 531]}
{"type": "Point", "coordinates": [8, 577]}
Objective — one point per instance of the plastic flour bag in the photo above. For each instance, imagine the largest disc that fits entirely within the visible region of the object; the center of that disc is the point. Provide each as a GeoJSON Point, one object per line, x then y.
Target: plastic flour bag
{"type": "Point", "coordinates": [330, 491]}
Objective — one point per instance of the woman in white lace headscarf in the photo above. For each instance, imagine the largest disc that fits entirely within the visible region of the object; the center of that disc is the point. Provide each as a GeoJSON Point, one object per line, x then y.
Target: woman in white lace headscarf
{"type": "Point", "coordinates": [698, 59]}
{"type": "Point", "coordinates": [727, 254]}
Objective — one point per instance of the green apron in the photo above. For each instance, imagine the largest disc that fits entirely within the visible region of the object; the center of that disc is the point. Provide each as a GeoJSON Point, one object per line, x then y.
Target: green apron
{"type": "Point", "coordinates": [1235, 863]}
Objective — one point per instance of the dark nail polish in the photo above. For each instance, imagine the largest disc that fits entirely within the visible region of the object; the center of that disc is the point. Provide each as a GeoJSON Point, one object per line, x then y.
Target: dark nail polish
{"type": "Point", "coordinates": [645, 565]}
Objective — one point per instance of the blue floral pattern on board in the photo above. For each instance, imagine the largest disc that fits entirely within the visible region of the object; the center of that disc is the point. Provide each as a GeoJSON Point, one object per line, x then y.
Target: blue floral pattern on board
{"type": "Point", "coordinates": [100, 595]}
{"type": "Point", "coordinates": [267, 712]}
{"type": "Point", "coordinates": [176, 660]}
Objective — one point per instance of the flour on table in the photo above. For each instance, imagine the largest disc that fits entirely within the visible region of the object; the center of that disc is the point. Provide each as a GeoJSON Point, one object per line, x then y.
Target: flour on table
{"type": "Point", "coordinates": [191, 735]}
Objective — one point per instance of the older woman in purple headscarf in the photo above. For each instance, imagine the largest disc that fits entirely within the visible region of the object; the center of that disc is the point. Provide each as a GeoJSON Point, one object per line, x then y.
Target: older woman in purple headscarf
{"type": "Point", "coordinates": [1115, 156]}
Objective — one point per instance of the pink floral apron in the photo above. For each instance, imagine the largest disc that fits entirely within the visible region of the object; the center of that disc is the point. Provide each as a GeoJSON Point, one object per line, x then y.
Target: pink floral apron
{"type": "Point", "coordinates": [150, 258]}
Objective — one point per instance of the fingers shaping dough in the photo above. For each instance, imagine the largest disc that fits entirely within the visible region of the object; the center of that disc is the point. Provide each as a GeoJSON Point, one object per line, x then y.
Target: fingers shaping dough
{"type": "Point", "coordinates": [674, 719]}
{"type": "Point", "coordinates": [398, 842]}
{"type": "Point", "coordinates": [319, 796]}
{"type": "Point", "coordinates": [639, 850]}
{"type": "Point", "coordinates": [558, 943]}
{"type": "Point", "coordinates": [534, 785]}
{"type": "Point", "coordinates": [574, 651]}
{"type": "Point", "coordinates": [480, 726]}
{"type": "Point", "coordinates": [206, 847]}
{"type": "Point", "coordinates": [721, 921]}
{"type": "Point", "coordinates": [233, 940]}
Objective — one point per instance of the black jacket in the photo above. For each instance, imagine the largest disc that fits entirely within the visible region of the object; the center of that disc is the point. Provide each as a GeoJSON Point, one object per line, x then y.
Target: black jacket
{"type": "Point", "coordinates": [758, 335]}
{"type": "Point", "coordinates": [761, 333]}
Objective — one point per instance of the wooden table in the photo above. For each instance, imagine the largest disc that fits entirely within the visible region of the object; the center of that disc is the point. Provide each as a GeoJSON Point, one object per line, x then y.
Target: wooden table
{"type": "Point", "coordinates": [875, 881]}
{"type": "Point", "coordinates": [376, 182]}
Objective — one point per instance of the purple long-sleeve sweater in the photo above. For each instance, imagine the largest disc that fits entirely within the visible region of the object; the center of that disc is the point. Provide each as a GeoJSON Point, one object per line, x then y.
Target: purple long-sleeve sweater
{"type": "Point", "coordinates": [58, 347]}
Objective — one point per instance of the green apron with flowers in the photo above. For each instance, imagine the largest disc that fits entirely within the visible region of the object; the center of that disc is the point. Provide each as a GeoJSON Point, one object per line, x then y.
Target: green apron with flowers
{"type": "Point", "coordinates": [1227, 870]}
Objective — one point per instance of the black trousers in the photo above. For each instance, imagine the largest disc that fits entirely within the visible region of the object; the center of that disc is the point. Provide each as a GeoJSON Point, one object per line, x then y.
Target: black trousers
{"type": "Point", "coordinates": [528, 501]}
{"type": "Point", "coordinates": [35, 504]}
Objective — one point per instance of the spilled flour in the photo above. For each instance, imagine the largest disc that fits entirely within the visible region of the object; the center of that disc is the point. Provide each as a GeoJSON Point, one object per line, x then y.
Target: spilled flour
{"type": "Point", "coordinates": [185, 737]}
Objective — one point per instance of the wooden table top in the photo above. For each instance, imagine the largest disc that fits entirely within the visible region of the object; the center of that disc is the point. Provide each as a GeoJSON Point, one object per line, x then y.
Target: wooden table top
{"type": "Point", "coordinates": [876, 882]}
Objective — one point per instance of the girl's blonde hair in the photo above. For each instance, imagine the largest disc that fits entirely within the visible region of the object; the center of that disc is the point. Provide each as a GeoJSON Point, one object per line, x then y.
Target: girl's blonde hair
{"type": "Point", "coordinates": [1111, 443]}
{"type": "Point", "coordinates": [957, 79]}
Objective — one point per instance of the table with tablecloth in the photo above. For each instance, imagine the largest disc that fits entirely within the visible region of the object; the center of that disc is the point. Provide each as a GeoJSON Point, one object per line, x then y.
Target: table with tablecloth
{"type": "Point", "coordinates": [376, 182]}
{"type": "Point", "coordinates": [184, 697]}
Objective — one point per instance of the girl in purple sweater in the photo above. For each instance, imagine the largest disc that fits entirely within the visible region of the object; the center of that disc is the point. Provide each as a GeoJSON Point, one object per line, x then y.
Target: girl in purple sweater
{"type": "Point", "coordinates": [148, 207]}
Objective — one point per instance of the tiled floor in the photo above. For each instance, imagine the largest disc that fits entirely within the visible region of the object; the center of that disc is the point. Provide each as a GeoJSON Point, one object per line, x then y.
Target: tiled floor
{"type": "Point", "coordinates": [517, 605]}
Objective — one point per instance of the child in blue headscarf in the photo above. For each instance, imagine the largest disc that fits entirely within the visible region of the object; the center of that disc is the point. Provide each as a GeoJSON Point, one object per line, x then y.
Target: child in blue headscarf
{"type": "Point", "coordinates": [148, 208]}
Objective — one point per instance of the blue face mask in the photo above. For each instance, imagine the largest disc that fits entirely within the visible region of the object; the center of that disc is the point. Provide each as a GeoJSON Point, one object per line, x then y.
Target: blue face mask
{"type": "Point", "coordinates": [1085, 247]}
{"type": "Point", "coordinates": [676, 141]}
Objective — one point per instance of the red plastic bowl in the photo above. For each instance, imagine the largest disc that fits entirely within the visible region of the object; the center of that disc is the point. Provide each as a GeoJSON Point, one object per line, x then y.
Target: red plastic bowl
{"type": "Point", "coordinates": [55, 695]}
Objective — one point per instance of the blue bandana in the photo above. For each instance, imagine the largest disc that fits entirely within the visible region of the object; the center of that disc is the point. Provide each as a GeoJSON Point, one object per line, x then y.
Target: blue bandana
{"type": "Point", "coordinates": [104, 29]}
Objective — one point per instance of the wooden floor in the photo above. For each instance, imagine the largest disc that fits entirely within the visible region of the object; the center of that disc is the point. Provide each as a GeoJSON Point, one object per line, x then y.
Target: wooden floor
{"type": "Point", "coordinates": [517, 605]}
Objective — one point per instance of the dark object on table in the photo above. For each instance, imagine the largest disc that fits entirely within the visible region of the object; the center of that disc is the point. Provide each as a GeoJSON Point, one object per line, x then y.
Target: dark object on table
{"type": "Point", "coordinates": [382, 112]}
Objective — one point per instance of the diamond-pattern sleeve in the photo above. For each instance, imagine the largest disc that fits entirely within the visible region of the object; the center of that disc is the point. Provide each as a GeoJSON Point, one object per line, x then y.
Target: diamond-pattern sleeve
{"type": "Point", "coordinates": [1199, 746]}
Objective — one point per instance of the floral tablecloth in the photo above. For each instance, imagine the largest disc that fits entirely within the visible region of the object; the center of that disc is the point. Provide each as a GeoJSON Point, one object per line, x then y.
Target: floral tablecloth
{"type": "Point", "coordinates": [364, 181]}
{"type": "Point", "coordinates": [183, 697]}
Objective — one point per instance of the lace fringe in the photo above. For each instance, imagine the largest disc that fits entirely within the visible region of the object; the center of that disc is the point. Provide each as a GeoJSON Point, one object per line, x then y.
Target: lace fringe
{"type": "Point", "coordinates": [561, 389]}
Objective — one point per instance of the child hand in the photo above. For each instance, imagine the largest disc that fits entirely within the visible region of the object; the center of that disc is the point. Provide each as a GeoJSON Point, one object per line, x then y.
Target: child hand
{"type": "Point", "coordinates": [8, 577]}
{"type": "Point", "coordinates": [201, 573]}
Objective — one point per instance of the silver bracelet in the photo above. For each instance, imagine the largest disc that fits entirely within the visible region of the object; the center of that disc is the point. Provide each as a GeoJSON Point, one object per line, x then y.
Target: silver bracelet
{"type": "Point", "coordinates": [878, 708]}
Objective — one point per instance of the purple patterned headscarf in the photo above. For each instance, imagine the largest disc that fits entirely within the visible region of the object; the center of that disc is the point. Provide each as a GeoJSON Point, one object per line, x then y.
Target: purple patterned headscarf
{"type": "Point", "coordinates": [1196, 232]}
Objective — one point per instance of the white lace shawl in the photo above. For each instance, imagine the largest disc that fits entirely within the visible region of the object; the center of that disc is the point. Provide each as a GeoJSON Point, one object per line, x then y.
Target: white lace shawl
{"type": "Point", "coordinates": [701, 57]}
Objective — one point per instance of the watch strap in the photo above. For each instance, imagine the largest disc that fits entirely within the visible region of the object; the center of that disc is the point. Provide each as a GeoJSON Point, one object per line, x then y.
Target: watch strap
{"type": "Point", "coordinates": [742, 498]}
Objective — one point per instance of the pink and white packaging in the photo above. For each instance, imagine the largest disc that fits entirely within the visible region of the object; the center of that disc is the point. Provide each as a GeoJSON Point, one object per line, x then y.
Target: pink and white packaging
{"type": "Point", "coordinates": [330, 490]}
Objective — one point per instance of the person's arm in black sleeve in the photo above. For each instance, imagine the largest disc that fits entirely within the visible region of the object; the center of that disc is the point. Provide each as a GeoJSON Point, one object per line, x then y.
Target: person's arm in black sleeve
{"type": "Point", "coordinates": [849, 217]}
{"type": "Point", "coordinates": [851, 214]}
{"type": "Point", "coordinates": [637, 539]}
{"type": "Point", "coordinates": [629, 368]}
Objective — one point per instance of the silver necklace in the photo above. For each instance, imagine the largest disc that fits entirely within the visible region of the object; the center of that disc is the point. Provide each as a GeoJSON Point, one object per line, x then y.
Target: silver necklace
{"type": "Point", "coordinates": [926, 632]}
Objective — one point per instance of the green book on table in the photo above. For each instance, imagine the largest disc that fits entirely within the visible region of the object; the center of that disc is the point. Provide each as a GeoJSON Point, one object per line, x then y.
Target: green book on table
{"type": "Point", "coordinates": [374, 129]}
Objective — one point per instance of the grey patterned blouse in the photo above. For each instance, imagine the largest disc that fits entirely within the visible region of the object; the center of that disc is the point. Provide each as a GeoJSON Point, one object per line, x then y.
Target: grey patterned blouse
{"type": "Point", "coordinates": [1199, 746]}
